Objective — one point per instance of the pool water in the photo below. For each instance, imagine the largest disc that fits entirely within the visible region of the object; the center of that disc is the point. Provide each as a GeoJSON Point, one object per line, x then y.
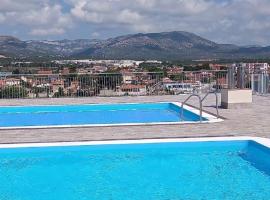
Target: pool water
{"type": "Point", "coordinates": [76, 115]}
{"type": "Point", "coordinates": [234, 170]}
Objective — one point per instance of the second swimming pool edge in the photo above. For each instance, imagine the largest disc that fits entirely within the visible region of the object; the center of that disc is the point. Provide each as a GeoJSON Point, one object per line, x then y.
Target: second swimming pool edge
{"type": "Point", "coordinates": [260, 140]}
{"type": "Point", "coordinates": [211, 118]}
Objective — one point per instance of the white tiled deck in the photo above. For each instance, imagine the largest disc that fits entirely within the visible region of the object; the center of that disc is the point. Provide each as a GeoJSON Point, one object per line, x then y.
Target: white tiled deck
{"type": "Point", "coordinates": [248, 120]}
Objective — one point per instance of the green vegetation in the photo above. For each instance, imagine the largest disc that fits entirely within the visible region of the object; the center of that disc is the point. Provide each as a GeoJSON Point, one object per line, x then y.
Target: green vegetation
{"type": "Point", "coordinates": [16, 71]}
{"type": "Point", "coordinates": [11, 92]}
{"type": "Point", "coordinates": [179, 77]}
{"type": "Point", "coordinates": [197, 67]}
{"type": "Point", "coordinates": [59, 93]}
{"type": "Point", "coordinates": [38, 90]}
{"type": "Point", "coordinates": [152, 67]}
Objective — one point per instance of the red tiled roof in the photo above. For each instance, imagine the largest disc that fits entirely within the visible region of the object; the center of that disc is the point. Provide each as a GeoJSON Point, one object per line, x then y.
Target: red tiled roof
{"type": "Point", "coordinates": [131, 86]}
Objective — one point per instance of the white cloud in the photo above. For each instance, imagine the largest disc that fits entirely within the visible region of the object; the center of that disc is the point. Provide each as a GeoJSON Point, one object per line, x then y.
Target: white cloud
{"type": "Point", "coordinates": [220, 20]}
{"type": "Point", "coordinates": [95, 34]}
{"type": "Point", "coordinates": [80, 12]}
{"type": "Point", "coordinates": [2, 18]}
{"type": "Point", "coordinates": [129, 17]}
{"type": "Point", "coordinates": [228, 21]}
{"type": "Point", "coordinates": [45, 32]}
{"type": "Point", "coordinates": [17, 5]}
{"type": "Point", "coordinates": [111, 13]}
{"type": "Point", "coordinates": [41, 17]}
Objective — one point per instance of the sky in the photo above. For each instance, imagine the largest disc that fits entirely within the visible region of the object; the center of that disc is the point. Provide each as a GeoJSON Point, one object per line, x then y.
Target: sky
{"type": "Point", "coordinates": [242, 22]}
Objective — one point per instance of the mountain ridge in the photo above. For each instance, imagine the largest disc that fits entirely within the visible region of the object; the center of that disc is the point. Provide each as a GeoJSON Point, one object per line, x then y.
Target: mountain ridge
{"type": "Point", "coordinates": [175, 45]}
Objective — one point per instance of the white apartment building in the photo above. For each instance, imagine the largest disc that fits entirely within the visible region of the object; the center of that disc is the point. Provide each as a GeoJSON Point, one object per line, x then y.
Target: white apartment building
{"type": "Point", "coordinates": [256, 68]}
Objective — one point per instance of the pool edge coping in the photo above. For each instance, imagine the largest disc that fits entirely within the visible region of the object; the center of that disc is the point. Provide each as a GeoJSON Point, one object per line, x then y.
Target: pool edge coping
{"type": "Point", "coordinates": [260, 140]}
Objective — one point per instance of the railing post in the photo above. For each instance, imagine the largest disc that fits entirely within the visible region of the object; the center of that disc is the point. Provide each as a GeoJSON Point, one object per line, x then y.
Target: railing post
{"type": "Point", "coordinates": [267, 84]}
{"type": "Point", "coordinates": [241, 77]}
{"type": "Point", "coordinates": [200, 99]}
{"type": "Point", "coordinates": [231, 79]}
{"type": "Point", "coordinates": [264, 84]}
{"type": "Point", "coordinates": [252, 82]}
{"type": "Point", "coordinates": [182, 111]}
{"type": "Point", "coordinates": [217, 105]}
{"type": "Point", "coordinates": [200, 104]}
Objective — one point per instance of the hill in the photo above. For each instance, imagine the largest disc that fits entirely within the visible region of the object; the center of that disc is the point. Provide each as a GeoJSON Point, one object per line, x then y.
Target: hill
{"type": "Point", "coordinates": [175, 45]}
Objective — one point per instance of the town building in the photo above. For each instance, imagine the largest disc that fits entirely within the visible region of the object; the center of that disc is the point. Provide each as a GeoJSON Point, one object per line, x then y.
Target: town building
{"type": "Point", "coordinates": [45, 72]}
{"type": "Point", "coordinates": [254, 68]}
{"type": "Point", "coordinates": [175, 70]}
{"type": "Point", "coordinates": [132, 89]}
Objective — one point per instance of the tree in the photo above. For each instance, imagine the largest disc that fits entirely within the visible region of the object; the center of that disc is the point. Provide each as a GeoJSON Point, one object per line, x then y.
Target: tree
{"type": "Point", "coordinates": [59, 93]}
{"type": "Point", "coordinates": [73, 70]}
{"type": "Point", "coordinates": [16, 71]}
{"type": "Point", "coordinates": [13, 92]}
{"type": "Point", "coordinates": [179, 77]}
{"type": "Point", "coordinates": [205, 66]}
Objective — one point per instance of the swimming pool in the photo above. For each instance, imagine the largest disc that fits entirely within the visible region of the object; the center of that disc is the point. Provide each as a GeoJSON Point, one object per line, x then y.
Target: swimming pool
{"type": "Point", "coordinates": [215, 168]}
{"type": "Point", "coordinates": [98, 115]}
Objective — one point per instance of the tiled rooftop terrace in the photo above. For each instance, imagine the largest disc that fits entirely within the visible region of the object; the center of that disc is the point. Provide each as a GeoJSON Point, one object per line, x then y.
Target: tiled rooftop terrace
{"type": "Point", "coordinates": [246, 120]}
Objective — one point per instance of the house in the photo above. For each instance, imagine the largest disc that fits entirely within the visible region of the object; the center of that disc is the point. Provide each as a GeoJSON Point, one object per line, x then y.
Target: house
{"type": "Point", "coordinates": [2, 83]}
{"type": "Point", "coordinates": [64, 71]}
{"type": "Point", "coordinates": [75, 84]}
{"type": "Point", "coordinates": [13, 81]}
{"type": "Point", "coordinates": [45, 72]}
{"type": "Point", "coordinates": [132, 89]}
{"type": "Point", "coordinates": [256, 68]}
{"type": "Point", "coordinates": [107, 92]}
{"type": "Point", "coordinates": [99, 69]}
{"type": "Point", "coordinates": [217, 67]}
{"type": "Point", "coordinates": [178, 87]}
{"type": "Point", "coordinates": [175, 70]}
{"type": "Point", "coordinates": [74, 87]}
{"type": "Point", "coordinates": [4, 74]}
{"type": "Point", "coordinates": [221, 82]}
{"type": "Point", "coordinates": [261, 68]}
{"type": "Point", "coordinates": [87, 70]}
{"type": "Point", "coordinates": [128, 78]}
{"type": "Point", "coordinates": [192, 77]}
{"type": "Point", "coordinates": [167, 80]}
{"type": "Point", "coordinates": [56, 84]}
{"type": "Point", "coordinates": [84, 71]}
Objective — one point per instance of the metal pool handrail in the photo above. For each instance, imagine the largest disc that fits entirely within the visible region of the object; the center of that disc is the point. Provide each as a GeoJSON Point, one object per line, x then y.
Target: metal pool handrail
{"type": "Point", "coordinates": [215, 93]}
{"type": "Point", "coordinates": [200, 102]}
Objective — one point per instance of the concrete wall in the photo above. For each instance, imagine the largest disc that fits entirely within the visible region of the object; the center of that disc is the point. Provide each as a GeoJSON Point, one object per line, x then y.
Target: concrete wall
{"type": "Point", "coordinates": [230, 98]}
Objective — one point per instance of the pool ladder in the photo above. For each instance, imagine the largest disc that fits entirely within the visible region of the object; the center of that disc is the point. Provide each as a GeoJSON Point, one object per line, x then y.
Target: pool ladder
{"type": "Point", "coordinates": [201, 100]}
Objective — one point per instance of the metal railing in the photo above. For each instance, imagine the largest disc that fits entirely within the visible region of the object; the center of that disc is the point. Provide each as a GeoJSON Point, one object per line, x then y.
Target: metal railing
{"type": "Point", "coordinates": [126, 84]}
{"type": "Point", "coordinates": [200, 81]}
{"type": "Point", "coordinates": [217, 102]}
{"type": "Point", "coordinates": [258, 82]}
{"type": "Point", "coordinates": [185, 102]}
{"type": "Point", "coordinates": [77, 85]}
{"type": "Point", "coordinates": [109, 84]}
{"type": "Point", "coordinates": [201, 100]}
